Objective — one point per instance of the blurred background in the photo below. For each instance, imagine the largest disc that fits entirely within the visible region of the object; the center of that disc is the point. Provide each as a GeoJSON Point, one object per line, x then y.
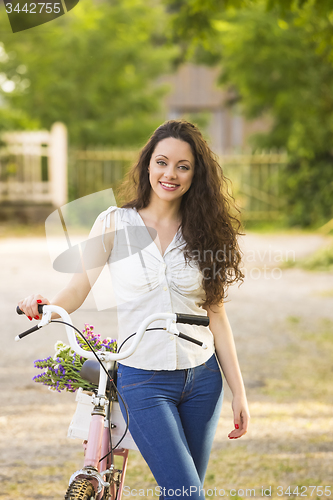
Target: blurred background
{"type": "Point", "coordinates": [79, 96]}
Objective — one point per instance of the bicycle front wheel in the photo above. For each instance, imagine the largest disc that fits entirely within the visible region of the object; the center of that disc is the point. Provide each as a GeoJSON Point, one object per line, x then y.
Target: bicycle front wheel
{"type": "Point", "coordinates": [81, 489]}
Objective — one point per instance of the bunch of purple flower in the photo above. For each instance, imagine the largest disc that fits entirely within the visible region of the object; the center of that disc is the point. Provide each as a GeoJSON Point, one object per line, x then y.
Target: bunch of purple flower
{"type": "Point", "coordinates": [62, 372]}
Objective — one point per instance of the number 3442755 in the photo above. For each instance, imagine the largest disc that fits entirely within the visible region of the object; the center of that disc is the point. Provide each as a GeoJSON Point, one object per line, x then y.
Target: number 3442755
{"type": "Point", "coordinates": [34, 8]}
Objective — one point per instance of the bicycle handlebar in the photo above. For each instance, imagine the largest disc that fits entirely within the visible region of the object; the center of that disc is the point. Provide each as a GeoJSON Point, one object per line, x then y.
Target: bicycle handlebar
{"type": "Point", "coordinates": [170, 318]}
{"type": "Point", "coordinates": [192, 319]}
{"type": "Point", "coordinates": [40, 309]}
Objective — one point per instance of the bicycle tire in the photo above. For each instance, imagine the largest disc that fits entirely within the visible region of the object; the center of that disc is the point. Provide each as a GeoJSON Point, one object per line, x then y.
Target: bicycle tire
{"type": "Point", "coordinates": [81, 489]}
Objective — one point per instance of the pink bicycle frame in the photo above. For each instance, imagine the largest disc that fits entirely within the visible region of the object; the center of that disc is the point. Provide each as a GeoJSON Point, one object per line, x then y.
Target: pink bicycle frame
{"type": "Point", "coordinates": [98, 444]}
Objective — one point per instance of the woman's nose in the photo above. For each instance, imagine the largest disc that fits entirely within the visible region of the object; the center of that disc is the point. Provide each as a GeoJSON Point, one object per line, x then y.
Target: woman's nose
{"type": "Point", "coordinates": [170, 173]}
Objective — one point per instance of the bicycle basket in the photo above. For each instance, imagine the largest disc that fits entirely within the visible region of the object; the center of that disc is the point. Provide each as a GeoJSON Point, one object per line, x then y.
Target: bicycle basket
{"type": "Point", "coordinates": [79, 426]}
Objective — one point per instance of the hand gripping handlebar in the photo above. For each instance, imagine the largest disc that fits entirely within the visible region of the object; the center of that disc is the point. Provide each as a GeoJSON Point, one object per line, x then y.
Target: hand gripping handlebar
{"type": "Point", "coordinates": [171, 320]}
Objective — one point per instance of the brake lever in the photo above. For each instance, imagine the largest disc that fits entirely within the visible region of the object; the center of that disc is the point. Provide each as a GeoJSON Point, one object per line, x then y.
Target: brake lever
{"type": "Point", "coordinates": [46, 318]}
{"type": "Point", "coordinates": [171, 327]}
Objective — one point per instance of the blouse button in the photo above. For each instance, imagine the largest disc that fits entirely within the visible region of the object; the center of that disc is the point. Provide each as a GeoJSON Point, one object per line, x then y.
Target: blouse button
{"type": "Point", "coordinates": [171, 337]}
{"type": "Point", "coordinates": [165, 288]}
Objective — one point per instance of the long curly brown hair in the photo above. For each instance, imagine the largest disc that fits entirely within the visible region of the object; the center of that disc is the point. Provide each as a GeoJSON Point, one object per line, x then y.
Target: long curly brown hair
{"type": "Point", "coordinates": [210, 223]}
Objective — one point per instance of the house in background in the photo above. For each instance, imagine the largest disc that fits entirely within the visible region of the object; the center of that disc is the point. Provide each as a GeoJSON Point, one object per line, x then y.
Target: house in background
{"type": "Point", "coordinates": [195, 95]}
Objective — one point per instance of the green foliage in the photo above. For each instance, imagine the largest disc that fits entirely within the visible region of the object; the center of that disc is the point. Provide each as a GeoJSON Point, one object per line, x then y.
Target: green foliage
{"type": "Point", "coordinates": [309, 190]}
{"type": "Point", "coordinates": [15, 119]}
{"type": "Point", "coordinates": [94, 69]}
{"type": "Point", "coordinates": [277, 68]}
{"type": "Point", "coordinates": [276, 60]}
{"type": "Point", "coordinates": [191, 18]}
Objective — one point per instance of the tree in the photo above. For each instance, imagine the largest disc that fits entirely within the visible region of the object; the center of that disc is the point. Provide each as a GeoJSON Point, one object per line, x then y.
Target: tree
{"type": "Point", "coordinates": [94, 69]}
{"type": "Point", "coordinates": [192, 19]}
{"type": "Point", "coordinates": [281, 67]}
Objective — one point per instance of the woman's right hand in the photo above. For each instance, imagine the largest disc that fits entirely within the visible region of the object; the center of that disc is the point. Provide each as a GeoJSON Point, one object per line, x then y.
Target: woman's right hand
{"type": "Point", "coordinates": [29, 305]}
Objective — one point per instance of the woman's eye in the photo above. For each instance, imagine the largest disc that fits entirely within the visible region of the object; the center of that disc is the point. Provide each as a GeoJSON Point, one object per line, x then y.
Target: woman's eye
{"type": "Point", "coordinates": [182, 167]}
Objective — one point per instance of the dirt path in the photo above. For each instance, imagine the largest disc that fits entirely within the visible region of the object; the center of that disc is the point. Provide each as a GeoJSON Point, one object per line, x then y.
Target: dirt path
{"type": "Point", "coordinates": [34, 421]}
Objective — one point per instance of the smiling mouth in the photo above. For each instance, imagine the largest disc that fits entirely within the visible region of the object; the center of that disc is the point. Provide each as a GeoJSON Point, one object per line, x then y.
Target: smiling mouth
{"type": "Point", "coordinates": [167, 184]}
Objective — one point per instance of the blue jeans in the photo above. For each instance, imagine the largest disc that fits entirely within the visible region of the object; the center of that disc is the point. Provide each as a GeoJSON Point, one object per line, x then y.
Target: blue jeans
{"type": "Point", "coordinates": [173, 416]}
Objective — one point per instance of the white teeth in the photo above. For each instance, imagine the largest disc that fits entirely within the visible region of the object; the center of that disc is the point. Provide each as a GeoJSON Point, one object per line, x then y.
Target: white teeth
{"type": "Point", "coordinates": [168, 185]}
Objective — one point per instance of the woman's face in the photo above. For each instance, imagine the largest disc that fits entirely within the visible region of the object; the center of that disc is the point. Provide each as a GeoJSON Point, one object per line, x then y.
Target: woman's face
{"type": "Point", "coordinates": [171, 169]}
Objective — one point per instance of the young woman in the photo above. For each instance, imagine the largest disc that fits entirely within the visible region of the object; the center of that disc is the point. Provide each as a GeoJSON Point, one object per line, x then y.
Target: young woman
{"type": "Point", "coordinates": [171, 248]}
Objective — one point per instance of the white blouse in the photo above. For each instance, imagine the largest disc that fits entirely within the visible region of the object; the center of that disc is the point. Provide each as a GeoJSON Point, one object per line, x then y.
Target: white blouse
{"type": "Point", "coordinates": [145, 282]}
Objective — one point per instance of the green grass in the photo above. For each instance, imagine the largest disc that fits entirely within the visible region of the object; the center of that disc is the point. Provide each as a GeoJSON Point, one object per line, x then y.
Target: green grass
{"type": "Point", "coordinates": [16, 230]}
{"type": "Point", "coordinates": [240, 473]}
{"type": "Point", "coordinates": [268, 226]}
{"type": "Point", "coordinates": [35, 481]}
{"type": "Point", "coordinates": [276, 226]}
{"type": "Point", "coordinates": [303, 368]}
{"type": "Point", "coordinates": [325, 293]}
{"type": "Point", "coordinates": [320, 260]}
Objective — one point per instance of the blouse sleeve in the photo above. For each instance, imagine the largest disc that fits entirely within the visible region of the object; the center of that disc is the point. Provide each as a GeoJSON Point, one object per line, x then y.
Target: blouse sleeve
{"type": "Point", "coordinates": [106, 218]}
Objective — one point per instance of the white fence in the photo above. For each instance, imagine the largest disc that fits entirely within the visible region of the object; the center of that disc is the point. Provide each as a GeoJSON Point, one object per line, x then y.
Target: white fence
{"type": "Point", "coordinates": [255, 178]}
{"type": "Point", "coordinates": [33, 167]}
{"type": "Point", "coordinates": [256, 182]}
{"type": "Point", "coordinates": [33, 170]}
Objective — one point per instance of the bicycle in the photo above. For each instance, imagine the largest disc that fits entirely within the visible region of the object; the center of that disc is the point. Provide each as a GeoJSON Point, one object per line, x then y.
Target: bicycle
{"type": "Point", "coordinates": [99, 479]}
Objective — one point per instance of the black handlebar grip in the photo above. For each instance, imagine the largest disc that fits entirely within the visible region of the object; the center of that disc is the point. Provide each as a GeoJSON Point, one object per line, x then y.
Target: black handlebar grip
{"type": "Point", "coordinates": [40, 309]}
{"type": "Point", "coordinates": [192, 319]}
{"type": "Point", "coordinates": [31, 330]}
